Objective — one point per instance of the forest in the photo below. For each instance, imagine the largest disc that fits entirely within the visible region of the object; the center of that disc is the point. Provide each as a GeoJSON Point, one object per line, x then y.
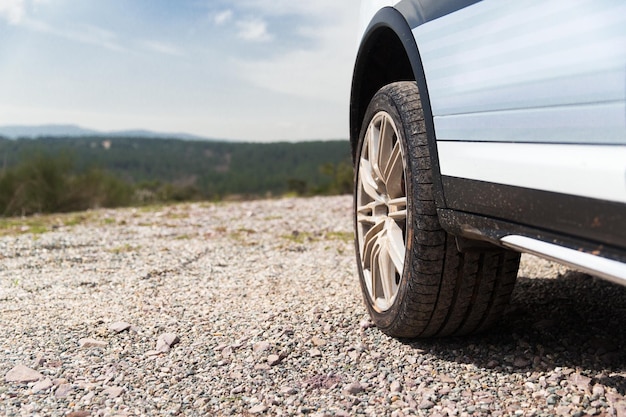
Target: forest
{"type": "Point", "coordinates": [56, 174]}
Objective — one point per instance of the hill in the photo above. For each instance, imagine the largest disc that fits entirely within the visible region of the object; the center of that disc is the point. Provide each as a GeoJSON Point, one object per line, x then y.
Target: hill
{"type": "Point", "coordinates": [193, 169]}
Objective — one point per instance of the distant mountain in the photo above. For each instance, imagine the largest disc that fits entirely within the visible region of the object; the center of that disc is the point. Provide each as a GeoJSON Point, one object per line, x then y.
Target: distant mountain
{"type": "Point", "coordinates": [19, 131]}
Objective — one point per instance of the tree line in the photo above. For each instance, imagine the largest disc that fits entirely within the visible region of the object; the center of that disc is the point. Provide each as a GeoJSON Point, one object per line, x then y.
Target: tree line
{"type": "Point", "coordinates": [59, 174]}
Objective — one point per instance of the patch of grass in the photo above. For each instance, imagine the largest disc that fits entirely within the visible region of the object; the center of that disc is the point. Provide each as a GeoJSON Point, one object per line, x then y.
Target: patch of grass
{"type": "Point", "coordinates": [343, 236]}
{"type": "Point", "coordinates": [38, 228]}
{"type": "Point", "coordinates": [75, 219]}
{"type": "Point", "coordinates": [38, 224]}
{"type": "Point", "coordinates": [299, 237]}
{"type": "Point", "coordinates": [268, 218]}
{"type": "Point", "coordinates": [304, 237]}
{"type": "Point", "coordinates": [151, 208]}
{"type": "Point", "coordinates": [177, 215]}
{"type": "Point", "coordinates": [18, 226]}
{"type": "Point", "coordinates": [124, 249]}
{"type": "Point", "coordinates": [243, 235]}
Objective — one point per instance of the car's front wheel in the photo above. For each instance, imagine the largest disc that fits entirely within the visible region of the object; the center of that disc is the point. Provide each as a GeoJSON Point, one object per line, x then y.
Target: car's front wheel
{"type": "Point", "coordinates": [414, 280]}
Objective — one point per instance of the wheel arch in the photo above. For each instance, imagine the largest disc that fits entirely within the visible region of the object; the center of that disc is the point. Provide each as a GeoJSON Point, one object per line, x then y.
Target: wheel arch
{"type": "Point", "coordinates": [389, 40]}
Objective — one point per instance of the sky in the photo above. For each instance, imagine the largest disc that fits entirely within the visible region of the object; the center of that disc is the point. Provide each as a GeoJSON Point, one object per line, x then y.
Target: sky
{"type": "Point", "coordinates": [255, 70]}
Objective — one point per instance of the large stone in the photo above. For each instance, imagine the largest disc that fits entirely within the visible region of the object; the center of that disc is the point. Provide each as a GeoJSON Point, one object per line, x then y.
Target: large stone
{"type": "Point", "coordinates": [582, 382]}
{"type": "Point", "coordinates": [258, 409]}
{"type": "Point", "coordinates": [80, 413]}
{"type": "Point", "coordinates": [395, 386]}
{"type": "Point", "coordinates": [42, 385]}
{"type": "Point", "coordinates": [63, 390]}
{"type": "Point", "coordinates": [315, 353]}
{"type": "Point", "coordinates": [261, 346]}
{"type": "Point", "coordinates": [22, 374]}
{"type": "Point", "coordinates": [318, 341]}
{"type": "Point", "coordinates": [91, 343]}
{"type": "Point", "coordinates": [426, 405]}
{"type": "Point", "coordinates": [166, 341]}
{"type": "Point", "coordinates": [119, 326]}
{"type": "Point", "coordinates": [273, 360]}
{"type": "Point", "coordinates": [113, 392]}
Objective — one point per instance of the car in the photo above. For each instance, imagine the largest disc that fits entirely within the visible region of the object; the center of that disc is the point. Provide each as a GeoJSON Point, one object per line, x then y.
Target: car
{"type": "Point", "coordinates": [481, 130]}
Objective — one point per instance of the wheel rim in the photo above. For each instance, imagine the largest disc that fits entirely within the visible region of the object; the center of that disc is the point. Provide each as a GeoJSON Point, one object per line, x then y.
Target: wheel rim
{"type": "Point", "coordinates": [381, 211]}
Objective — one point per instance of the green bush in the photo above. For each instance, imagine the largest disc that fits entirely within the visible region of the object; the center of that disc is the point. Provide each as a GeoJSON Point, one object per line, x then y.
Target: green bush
{"type": "Point", "coordinates": [44, 184]}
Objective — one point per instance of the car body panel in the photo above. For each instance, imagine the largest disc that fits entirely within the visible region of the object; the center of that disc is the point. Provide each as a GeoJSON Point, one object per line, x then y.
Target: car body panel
{"type": "Point", "coordinates": [557, 59]}
{"type": "Point", "coordinates": [593, 171]}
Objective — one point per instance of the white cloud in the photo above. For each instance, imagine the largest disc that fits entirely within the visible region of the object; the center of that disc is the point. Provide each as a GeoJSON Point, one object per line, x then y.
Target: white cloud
{"type": "Point", "coordinates": [318, 8]}
{"type": "Point", "coordinates": [253, 30]}
{"type": "Point", "coordinates": [87, 34]}
{"type": "Point", "coordinates": [161, 48]}
{"type": "Point", "coordinates": [223, 17]}
{"type": "Point", "coordinates": [16, 11]}
{"type": "Point", "coordinates": [12, 11]}
{"type": "Point", "coordinates": [321, 72]}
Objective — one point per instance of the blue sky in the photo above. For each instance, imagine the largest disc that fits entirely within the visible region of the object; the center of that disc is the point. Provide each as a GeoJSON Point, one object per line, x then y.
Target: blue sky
{"type": "Point", "coordinates": [261, 70]}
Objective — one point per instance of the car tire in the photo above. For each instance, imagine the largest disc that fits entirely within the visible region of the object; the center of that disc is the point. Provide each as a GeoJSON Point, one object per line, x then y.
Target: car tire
{"type": "Point", "coordinates": [415, 281]}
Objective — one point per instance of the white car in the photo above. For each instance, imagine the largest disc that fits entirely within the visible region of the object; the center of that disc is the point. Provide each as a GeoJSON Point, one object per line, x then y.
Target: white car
{"type": "Point", "coordinates": [479, 130]}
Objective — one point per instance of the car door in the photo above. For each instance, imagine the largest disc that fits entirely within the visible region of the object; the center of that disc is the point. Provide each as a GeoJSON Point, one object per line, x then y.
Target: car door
{"type": "Point", "coordinates": [529, 106]}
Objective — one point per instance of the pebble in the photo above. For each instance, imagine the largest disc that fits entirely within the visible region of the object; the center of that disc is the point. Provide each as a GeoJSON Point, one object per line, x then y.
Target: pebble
{"type": "Point", "coordinates": [521, 362]}
{"type": "Point", "coordinates": [395, 386]}
{"type": "Point", "coordinates": [315, 353]}
{"type": "Point", "coordinates": [354, 388]}
{"type": "Point", "coordinates": [113, 392]}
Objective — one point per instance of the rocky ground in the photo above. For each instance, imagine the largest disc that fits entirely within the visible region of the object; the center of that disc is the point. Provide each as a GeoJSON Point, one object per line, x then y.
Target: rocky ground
{"type": "Point", "coordinates": [254, 308]}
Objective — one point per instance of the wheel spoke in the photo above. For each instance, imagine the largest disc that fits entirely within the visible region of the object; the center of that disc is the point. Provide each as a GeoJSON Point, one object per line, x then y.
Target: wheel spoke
{"type": "Point", "coordinates": [368, 208]}
{"type": "Point", "coordinates": [366, 214]}
{"type": "Point", "coordinates": [371, 239]}
{"type": "Point", "coordinates": [365, 219]}
{"type": "Point", "coordinates": [368, 182]}
{"type": "Point", "coordinates": [377, 290]}
{"type": "Point", "coordinates": [396, 248]}
{"type": "Point", "coordinates": [394, 173]}
{"type": "Point", "coordinates": [374, 137]}
{"type": "Point", "coordinates": [387, 137]}
{"type": "Point", "coordinates": [397, 209]}
{"type": "Point", "coordinates": [387, 277]}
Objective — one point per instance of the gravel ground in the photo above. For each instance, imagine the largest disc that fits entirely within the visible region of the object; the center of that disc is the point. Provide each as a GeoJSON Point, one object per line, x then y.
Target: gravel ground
{"type": "Point", "coordinates": [254, 308]}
